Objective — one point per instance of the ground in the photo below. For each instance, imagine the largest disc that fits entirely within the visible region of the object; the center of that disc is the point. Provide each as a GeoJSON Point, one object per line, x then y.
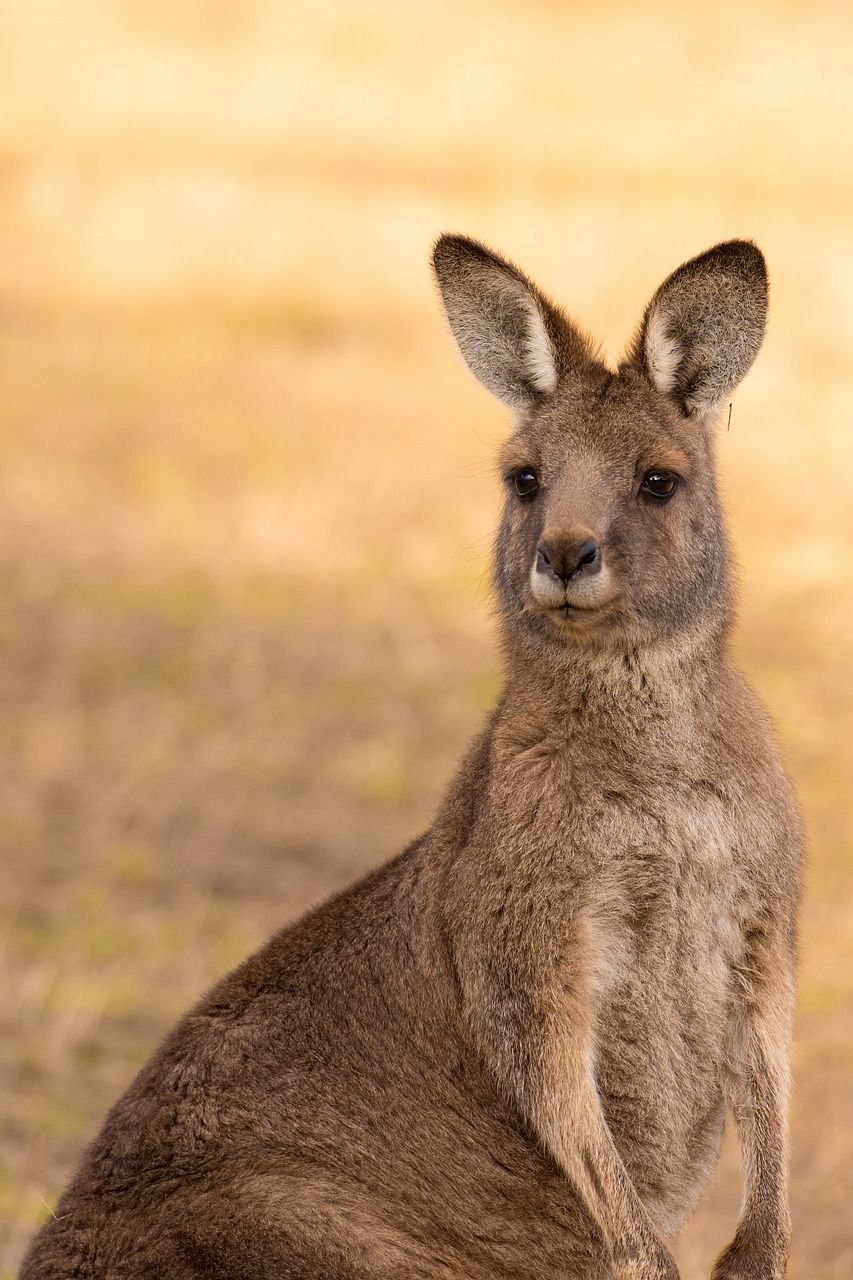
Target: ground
{"type": "Point", "coordinates": [247, 488]}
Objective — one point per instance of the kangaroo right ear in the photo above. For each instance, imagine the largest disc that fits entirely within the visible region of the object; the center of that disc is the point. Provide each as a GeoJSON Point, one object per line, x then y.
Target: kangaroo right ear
{"type": "Point", "coordinates": [513, 339]}
{"type": "Point", "coordinates": [702, 329]}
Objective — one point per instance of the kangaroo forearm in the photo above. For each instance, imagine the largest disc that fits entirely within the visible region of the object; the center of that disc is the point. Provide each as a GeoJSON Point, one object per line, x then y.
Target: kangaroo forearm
{"type": "Point", "coordinates": [553, 1085]}
{"type": "Point", "coordinates": [573, 1127]}
{"type": "Point", "coordinates": [759, 1098]}
{"type": "Point", "coordinates": [757, 1087]}
{"type": "Point", "coordinates": [764, 1129]}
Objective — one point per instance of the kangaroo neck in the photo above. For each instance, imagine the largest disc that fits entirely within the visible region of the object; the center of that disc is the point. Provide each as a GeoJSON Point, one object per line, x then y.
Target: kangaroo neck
{"type": "Point", "coordinates": [654, 697]}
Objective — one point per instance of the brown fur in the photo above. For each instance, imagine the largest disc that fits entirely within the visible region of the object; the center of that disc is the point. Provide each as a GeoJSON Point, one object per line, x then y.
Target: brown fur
{"type": "Point", "coordinates": [507, 1053]}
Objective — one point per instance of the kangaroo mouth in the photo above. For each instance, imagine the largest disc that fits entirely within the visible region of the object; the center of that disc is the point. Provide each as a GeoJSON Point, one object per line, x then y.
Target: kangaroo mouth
{"type": "Point", "coordinates": [567, 612]}
{"type": "Point", "coordinates": [571, 613]}
{"type": "Point", "coordinates": [580, 602]}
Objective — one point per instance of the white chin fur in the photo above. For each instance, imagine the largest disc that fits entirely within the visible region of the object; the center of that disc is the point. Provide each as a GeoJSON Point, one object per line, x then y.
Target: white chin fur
{"type": "Point", "coordinates": [585, 593]}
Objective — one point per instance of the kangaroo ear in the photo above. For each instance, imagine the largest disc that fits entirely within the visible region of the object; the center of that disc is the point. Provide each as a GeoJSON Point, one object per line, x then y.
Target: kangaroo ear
{"type": "Point", "coordinates": [513, 339]}
{"type": "Point", "coordinates": [702, 329]}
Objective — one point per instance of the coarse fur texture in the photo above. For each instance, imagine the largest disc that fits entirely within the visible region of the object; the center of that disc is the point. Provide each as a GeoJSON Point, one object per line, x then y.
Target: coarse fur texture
{"type": "Point", "coordinates": [508, 1052]}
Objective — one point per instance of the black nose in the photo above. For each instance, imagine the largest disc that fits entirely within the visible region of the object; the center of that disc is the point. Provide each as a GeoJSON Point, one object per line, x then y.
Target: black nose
{"type": "Point", "coordinates": [565, 559]}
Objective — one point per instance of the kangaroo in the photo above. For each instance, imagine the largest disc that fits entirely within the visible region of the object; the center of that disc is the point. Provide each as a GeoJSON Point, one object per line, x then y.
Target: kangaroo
{"type": "Point", "coordinates": [508, 1052]}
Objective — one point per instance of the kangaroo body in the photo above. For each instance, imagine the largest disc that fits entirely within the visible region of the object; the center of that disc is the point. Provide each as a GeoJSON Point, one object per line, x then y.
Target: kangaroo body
{"type": "Point", "coordinates": [508, 1052]}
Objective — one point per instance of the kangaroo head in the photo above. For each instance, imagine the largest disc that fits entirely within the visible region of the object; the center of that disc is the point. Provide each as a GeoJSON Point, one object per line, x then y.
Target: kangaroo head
{"type": "Point", "coordinates": [612, 532]}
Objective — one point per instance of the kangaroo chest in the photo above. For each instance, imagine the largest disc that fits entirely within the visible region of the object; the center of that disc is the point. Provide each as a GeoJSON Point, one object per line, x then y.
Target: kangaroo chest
{"type": "Point", "coordinates": [643, 863]}
{"type": "Point", "coordinates": [661, 918]}
{"type": "Point", "coordinates": [662, 895]}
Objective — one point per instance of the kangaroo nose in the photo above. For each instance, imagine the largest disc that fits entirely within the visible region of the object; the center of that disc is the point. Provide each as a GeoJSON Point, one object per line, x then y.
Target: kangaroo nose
{"type": "Point", "coordinates": [565, 559]}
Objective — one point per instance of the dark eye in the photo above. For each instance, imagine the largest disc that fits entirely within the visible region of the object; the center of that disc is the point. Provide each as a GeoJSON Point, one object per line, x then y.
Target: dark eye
{"type": "Point", "coordinates": [660, 485]}
{"type": "Point", "coordinates": [526, 482]}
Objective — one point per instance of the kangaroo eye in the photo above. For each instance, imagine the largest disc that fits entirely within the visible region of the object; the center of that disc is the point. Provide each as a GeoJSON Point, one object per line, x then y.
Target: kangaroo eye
{"type": "Point", "coordinates": [660, 485]}
{"type": "Point", "coordinates": [526, 483]}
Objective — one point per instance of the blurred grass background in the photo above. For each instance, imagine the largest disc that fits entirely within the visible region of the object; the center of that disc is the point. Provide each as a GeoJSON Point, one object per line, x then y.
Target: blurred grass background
{"type": "Point", "coordinates": [246, 486]}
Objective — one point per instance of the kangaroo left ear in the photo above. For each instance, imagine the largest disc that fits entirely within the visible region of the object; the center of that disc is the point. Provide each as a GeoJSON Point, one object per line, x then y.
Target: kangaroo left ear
{"type": "Point", "coordinates": [704, 326]}
{"type": "Point", "coordinates": [513, 339]}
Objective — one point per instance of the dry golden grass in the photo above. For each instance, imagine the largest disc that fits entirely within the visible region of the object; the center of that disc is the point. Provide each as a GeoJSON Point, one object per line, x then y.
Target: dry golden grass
{"type": "Point", "coordinates": [245, 487]}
